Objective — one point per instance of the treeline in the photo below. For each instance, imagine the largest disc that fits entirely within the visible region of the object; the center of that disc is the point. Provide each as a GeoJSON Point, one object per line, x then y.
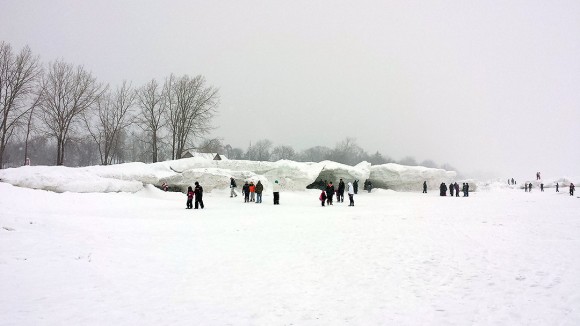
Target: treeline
{"type": "Point", "coordinates": [58, 113]}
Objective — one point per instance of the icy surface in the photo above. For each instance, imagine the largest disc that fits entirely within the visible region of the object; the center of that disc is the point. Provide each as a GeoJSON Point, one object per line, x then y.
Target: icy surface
{"type": "Point", "coordinates": [499, 257]}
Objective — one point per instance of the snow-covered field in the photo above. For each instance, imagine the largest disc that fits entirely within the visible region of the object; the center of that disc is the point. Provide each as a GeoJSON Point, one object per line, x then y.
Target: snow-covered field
{"type": "Point", "coordinates": [502, 257]}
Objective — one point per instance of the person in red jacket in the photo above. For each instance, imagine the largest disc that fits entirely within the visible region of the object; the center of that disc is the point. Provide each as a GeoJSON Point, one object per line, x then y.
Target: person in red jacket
{"type": "Point", "coordinates": [322, 197]}
{"type": "Point", "coordinates": [189, 198]}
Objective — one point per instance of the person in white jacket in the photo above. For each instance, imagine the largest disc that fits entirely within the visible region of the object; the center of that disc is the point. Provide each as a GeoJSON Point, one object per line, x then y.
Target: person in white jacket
{"type": "Point", "coordinates": [350, 194]}
{"type": "Point", "coordinates": [276, 188]}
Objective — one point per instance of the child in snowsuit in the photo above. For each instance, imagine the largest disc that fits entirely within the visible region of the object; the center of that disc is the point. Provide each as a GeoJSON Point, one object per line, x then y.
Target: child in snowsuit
{"type": "Point", "coordinates": [322, 197]}
{"type": "Point", "coordinates": [189, 198]}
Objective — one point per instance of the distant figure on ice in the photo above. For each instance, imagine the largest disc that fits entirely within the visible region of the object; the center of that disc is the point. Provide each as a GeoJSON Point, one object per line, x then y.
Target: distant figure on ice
{"type": "Point", "coordinates": [467, 189]}
{"type": "Point", "coordinates": [424, 187]}
{"type": "Point", "coordinates": [322, 197]}
{"type": "Point", "coordinates": [350, 194]}
{"type": "Point", "coordinates": [557, 189]}
{"type": "Point", "coordinates": [526, 187]}
{"type": "Point", "coordinates": [456, 185]}
{"type": "Point", "coordinates": [329, 193]}
{"type": "Point", "coordinates": [246, 192]}
{"type": "Point", "coordinates": [530, 187]}
{"type": "Point", "coordinates": [198, 195]}
{"type": "Point", "coordinates": [276, 192]}
{"type": "Point", "coordinates": [369, 186]}
{"type": "Point", "coordinates": [340, 192]}
{"type": "Point", "coordinates": [538, 176]}
{"type": "Point", "coordinates": [259, 189]}
{"type": "Point", "coordinates": [233, 187]}
{"type": "Point", "coordinates": [189, 204]}
{"type": "Point", "coordinates": [542, 187]}
{"type": "Point", "coordinates": [451, 188]}
{"type": "Point", "coordinates": [442, 189]}
{"type": "Point", "coordinates": [355, 185]}
{"type": "Point", "coordinates": [513, 181]}
{"type": "Point", "coordinates": [572, 188]}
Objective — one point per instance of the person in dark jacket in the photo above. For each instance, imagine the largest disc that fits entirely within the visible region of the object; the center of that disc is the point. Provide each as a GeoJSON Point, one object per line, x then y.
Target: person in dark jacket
{"type": "Point", "coordinates": [198, 195]}
{"type": "Point", "coordinates": [259, 190]}
{"type": "Point", "coordinates": [340, 193]}
{"type": "Point", "coordinates": [329, 193]}
{"type": "Point", "coordinates": [424, 187]}
{"type": "Point", "coordinates": [456, 185]}
{"type": "Point", "coordinates": [541, 187]}
{"type": "Point", "coordinates": [246, 192]}
{"type": "Point", "coordinates": [526, 187]}
{"type": "Point", "coordinates": [572, 188]}
{"type": "Point", "coordinates": [355, 186]}
{"type": "Point", "coordinates": [451, 188]}
{"type": "Point", "coordinates": [233, 187]}
{"type": "Point", "coordinates": [557, 189]}
{"type": "Point", "coordinates": [369, 186]}
{"type": "Point", "coordinates": [467, 189]}
{"type": "Point", "coordinates": [530, 187]}
{"type": "Point", "coordinates": [443, 189]}
{"type": "Point", "coordinates": [189, 198]}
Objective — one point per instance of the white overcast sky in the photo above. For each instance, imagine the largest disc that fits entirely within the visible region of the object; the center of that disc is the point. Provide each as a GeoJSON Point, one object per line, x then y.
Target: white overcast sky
{"type": "Point", "coordinates": [483, 85]}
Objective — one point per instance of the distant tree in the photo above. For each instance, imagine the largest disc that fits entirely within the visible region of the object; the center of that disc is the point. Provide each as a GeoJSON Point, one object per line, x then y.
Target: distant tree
{"type": "Point", "coordinates": [377, 159]}
{"type": "Point", "coordinates": [347, 152]}
{"type": "Point", "coordinates": [191, 106]}
{"type": "Point", "coordinates": [283, 153]}
{"type": "Point", "coordinates": [18, 81]}
{"type": "Point", "coordinates": [111, 115]}
{"type": "Point", "coordinates": [213, 145]}
{"type": "Point", "coordinates": [152, 105]}
{"type": "Point", "coordinates": [428, 164]}
{"type": "Point", "coordinates": [66, 93]}
{"type": "Point", "coordinates": [315, 154]}
{"type": "Point", "coordinates": [235, 154]}
{"type": "Point", "coordinates": [409, 160]}
{"type": "Point", "coordinates": [260, 151]}
{"type": "Point", "coordinates": [448, 167]}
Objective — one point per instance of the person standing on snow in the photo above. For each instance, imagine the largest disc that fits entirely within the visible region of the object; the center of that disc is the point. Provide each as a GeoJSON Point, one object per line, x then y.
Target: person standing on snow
{"type": "Point", "coordinates": [198, 195]}
{"type": "Point", "coordinates": [355, 185]}
{"type": "Point", "coordinates": [542, 187]}
{"type": "Point", "coordinates": [424, 187]}
{"type": "Point", "coordinates": [276, 192]}
{"type": "Point", "coordinates": [350, 194]}
{"type": "Point", "coordinates": [329, 193]}
{"type": "Point", "coordinates": [246, 192]}
{"type": "Point", "coordinates": [451, 188]}
{"type": "Point", "coordinates": [252, 191]}
{"type": "Point", "coordinates": [322, 197]}
{"type": "Point", "coordinates": [442, 189]}
{"type": "Point", "coordinates": [259, 189]}
{"type": "Point", "coordinates": [557, 190]}
{"type": "Point", "coordinates": [526, 187]}
{"type": "Point", "coordinates": [340, 193]}
{"type": "Point", "coordinates": [232, 188]}
{"type": "Point", "coordinates": [189, 198]}
{"type": "Point", "coordinates": [572, 188]}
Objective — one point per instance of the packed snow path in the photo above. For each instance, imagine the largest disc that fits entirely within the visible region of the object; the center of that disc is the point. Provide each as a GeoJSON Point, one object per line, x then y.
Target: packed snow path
{"type": "Point", "coordinates": [495, 258]}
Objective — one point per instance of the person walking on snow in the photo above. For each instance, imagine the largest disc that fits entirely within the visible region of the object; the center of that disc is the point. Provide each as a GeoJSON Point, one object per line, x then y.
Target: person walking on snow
{"type": "Point", "coordinates": [329, 193]}
{"type": "Point", "coordinates": [442, 189]}
{"type": "Point", "coordinates": [276, 192]}
{"type": "Point", "coordinates": [355, 185]}
{"type": "Point", "coordinates": [557, 190]}
{"type": "Point", "coordinates": [232, 188]}
{"type": "Point", "coordinates": [572, 188]}
{"type": "Point", "coordinates": [542, 187]}
{"type": "Point", "coordinates": [252, 191]}
{"type": "Point", "coordinates": [322, 198]}
{"type": "Point", "coordinates": [424, 187]}
{"type": "Point", "coordinates": [198, 195]}
{"type": "Point", "coordinates": [189, 198]}
{"type": "Point", "coordinates": [451, 188]}
{"type": "Point", "coordinates": [456, 185]}
{"type": "Point", "coordinates": [350, 194]}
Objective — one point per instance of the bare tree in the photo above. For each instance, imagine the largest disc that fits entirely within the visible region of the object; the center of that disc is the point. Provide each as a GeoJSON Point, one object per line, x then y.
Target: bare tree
{"type": "Point", "coordinates": [18, 76]}
{"type": "Point", "coordinates": [213, 145]}
{"type": "Point", "coordinates": [283, 152]}
{"type": "Point", "coordinates": [66, 93]}
{"type": "Point", "coordinates": [150, 99]}
{"type": "Point", "coordinates": [260, 151]}
{"type": "Point", "coordinates": [191, 105]}
{"type": "Point", "coordinates": [316, 154]}
{"type": "Point", "coordinates": [347, 152]}
{"type": "Point", "coordinates": [110, 117]}
{"type": "Point", "coordinates": [408, 160]}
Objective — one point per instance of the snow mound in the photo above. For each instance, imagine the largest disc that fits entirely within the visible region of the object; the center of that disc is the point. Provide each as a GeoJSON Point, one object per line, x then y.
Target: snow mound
{"type": "Point", "coordinates": [408, 178]}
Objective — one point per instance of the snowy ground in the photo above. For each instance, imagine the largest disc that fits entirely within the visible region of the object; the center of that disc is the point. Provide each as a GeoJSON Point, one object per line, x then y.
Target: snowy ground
{"type": "Point", "coordinates": [501, 257]}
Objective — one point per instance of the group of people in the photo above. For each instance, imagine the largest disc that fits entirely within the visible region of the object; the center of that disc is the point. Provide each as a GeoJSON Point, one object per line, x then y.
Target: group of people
{"type": "Point", "coordinates": [196, 193]}
{"type": "Point", "coordinates": [512, 181]}
{"type": "Point", "coordinates": [253, 193]}
{"type": "Point", "coordinates": [453, 188]}
{"type": "Point", "coordinates": [327, 194]}
{"type": "Point", "coordinates": [528, 187]}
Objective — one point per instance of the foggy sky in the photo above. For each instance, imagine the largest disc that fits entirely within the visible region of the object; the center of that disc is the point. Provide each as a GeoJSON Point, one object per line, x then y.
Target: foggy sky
{"type": "Point", "coordinates": [489, 86]}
